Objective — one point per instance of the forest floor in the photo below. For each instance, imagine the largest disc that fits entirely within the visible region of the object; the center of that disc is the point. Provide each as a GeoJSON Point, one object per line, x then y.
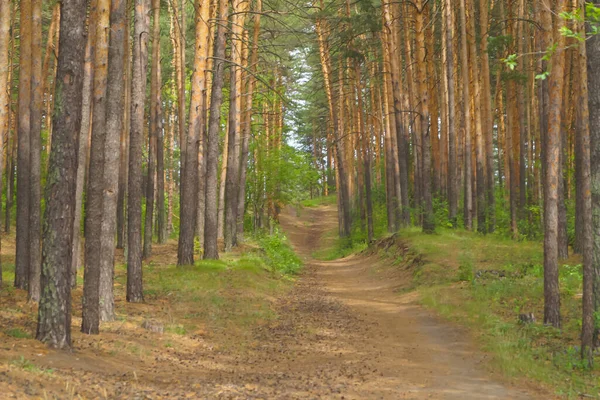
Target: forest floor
{"type": "Point", "coordinates": [348, 328]}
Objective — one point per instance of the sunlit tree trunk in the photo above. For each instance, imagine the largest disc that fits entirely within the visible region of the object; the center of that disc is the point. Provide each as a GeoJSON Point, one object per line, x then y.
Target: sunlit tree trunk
{"type": "Point", "coordinates": [247, 127]}
{"type": "Point", "coordinates": [422, 60]}
{"type": "Point", "coordinates": [468, 206]}
{"type": "Point", "coordinates": [216, 99]}
{"type": "Point", "coordinates": [116, 88]}
{"type": "Point", "coordinates": [452, 156]}
{"type": "Point", "coordinates": [552, 146]}
{"type": "Point", "coordinates": [84, 140]}
{"type": "Point", "coordinates": [135, 293]}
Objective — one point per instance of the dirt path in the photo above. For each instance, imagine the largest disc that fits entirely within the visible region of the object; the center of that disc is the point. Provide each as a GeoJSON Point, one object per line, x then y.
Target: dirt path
{"type": "Point", "coordinates": [415, 355]}
{"type": "Point", "coordinates": [341, 333]}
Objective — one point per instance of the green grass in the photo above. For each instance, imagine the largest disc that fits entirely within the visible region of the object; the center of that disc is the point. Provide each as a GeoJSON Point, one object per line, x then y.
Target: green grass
{"type": "Point", "coordinates": [27, 365]}
{"type": "Point", "coordinates": [230, 295]}
{"type": "Point", "coordinates": [18, 333]}
{"type": "Point", "coordinates": [319, 201]}
{"type": "Point", "coordinates": [485, 282]}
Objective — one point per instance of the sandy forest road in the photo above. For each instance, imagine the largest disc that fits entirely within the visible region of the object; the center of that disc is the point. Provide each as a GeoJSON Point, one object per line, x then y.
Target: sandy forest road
{"type": "Point", "coordinates": [341, 332]}
{"type": "Point", "coordinates": [416, 355]}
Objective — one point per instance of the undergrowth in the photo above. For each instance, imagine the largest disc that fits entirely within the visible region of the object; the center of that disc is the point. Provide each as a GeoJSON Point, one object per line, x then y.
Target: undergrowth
{"type": "Point", "coordinates": [486, 282]}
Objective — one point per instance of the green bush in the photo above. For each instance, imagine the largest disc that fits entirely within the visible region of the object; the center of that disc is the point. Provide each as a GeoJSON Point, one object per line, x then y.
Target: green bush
{"type": "Point", "coordinates": [278, 254]}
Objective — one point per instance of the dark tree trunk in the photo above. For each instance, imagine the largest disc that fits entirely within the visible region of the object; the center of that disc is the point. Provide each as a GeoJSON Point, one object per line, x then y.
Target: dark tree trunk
{"type": "Point", "coordinates": [5, 85]}
{"type": "Point", "coordinates": [35, 148]}
{"type": "Point", "coordinates": [136, 142]}
{"type": "Point", "coordinates": [124, 145]}
{"type": "Point", "coordinates": [155, 86]}
{"type": "Point", "coordinates": [90, 323]}
{"type": "Point", "coordinates": [54, 313]}
{"type": "Point", "coordinates": [112, 154]}
{"type": "Point", "coordinates": [593, 60]}
{"type": "Point", "coordinates": [584, 195]}
{"type": "Point", "coordinates": [160, 178]}
{"type": "Point", "coordinates": [10, 184]}
{"type": "Point", "coordinates": [23, 150]}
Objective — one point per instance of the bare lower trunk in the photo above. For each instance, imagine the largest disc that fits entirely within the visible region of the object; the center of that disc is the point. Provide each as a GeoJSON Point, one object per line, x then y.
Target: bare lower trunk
{"type": "Point", "coordinates": [216, 99]}
{"type": "Point", "coordinates": [112, 156]}
{"type": "Point", "coordinates": [136, 141]}
{"type": "Point", "coordinates": [54, 313]}
{"type": "Point", "coordinates": [22, 260]}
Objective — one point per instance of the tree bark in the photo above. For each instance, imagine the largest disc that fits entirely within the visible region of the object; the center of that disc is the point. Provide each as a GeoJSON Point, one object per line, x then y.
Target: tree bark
{"type": "Point", "coordinates": [593, 60]}
{"type": "Point", "coordinates": [54, 312]}
{"type": "Point", "coordinates": [124, 140]}
{"type": "Point", "coordinates": [552, 145]}
{"type": "Point", "coordinates": [584, 193]}
{"type": "Point", "coordinates": [467, 118]}
{"type": "Point", "coordinates": [155, 99]}
{"type": "Point", "coordinates": [427, 206]}
{"type": "Point", "coordinates": [112, 153]}
{"type": "Point", "coordinates": [211, 250]}
{"type": "Point", "coordinates": [93, 208]}
{"type": "Point", "coordinates": [247, 127]}
{"type": "Point", "coordinates": [35, 149]}
{"type": "Point", "coordinates": [22, 260]}
{"type": "Point", "coordinates": [452, 172]}
{"type": "Point", "coordinates": [84, 140]}
{"type": "Point", "coordinates": [135, 293]}
{"type": "Point", "coordinates": [5, 24]}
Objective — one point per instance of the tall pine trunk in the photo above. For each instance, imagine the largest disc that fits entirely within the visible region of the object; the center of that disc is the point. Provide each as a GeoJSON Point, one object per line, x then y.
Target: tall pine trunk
{"type": "Point", "coordinates": [54, 312]}
{"type": "Point", "coordinates": [211, 250]}
{"type": "Point", "coordinates": [112, 153]}
{"type": "Point", "coordinates": [135, 293]}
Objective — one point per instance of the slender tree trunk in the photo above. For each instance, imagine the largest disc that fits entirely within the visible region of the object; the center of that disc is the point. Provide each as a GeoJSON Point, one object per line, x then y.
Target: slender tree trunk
{"type": "Point", "coordinates": [233, 162]}
{"type": "Point", "coordinates": [5, 23]}
{"type": "Point", "coordinates": [54, 312]}
{"type": "Point", "coordinates": [593, 60]}
{"type": "Point", "coordinates": [551, 286]}
{"type": "Point", "coordinates": [584, 193]}
{"type": "Point", "coordinates": [479, 125]}
{"type": "Point", "coordinates": [486, 117]}
{"type": "Point", "coordinates": [84, 140]}
{"type": "Point", "coordinates": [93, 207]}
{"type": "Point", "coordinates": [247, 126]}
{"type": "Point", "coordinates": [428, 217]}
{"type": "Point", "coordinates": [136, 141]}
{"type": "Point", "coordinates": [35, 156]}
{"type": "Point", "coordinates": [452, 172]}
{"type": "Point", "coordinates": [343, 192]}
{"type": "Point", "coordinates": [22, 261]}
{"type": "Point", "coordinates": [216, 99]}
{"type": "Point", "coordinates": [160, 176]}
{"type": "Point", "coordinates": [124, 140]}
{"type": "Point", "coordinates": [155, 99]}
{"type": "Point", "coordinates": [189, 197]}
{"type": "Point", "coordinates": [112, 153]}
{"type": "Point", "coordinates": [467, 118]}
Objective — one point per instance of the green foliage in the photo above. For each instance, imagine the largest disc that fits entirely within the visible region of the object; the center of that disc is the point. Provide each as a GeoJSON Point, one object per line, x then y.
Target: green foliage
{"type": "Point", "coordinates": [465, 269]}
{"type": "Point", "coordinates": [278, 254]}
